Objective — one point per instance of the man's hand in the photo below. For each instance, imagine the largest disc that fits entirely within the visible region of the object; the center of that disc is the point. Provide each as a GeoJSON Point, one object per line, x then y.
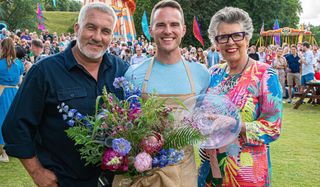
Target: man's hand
{"type": "Point", "coordinates": [41, 176]}
{"type": "Point", "coordinates": [44, 178]}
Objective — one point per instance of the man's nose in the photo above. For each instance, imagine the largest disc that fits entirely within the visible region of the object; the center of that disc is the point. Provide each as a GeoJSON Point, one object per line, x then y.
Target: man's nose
{"type": "Point", "coordinates": [97, 36]}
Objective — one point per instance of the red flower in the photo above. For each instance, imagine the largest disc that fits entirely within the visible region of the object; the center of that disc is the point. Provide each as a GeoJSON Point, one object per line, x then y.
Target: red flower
{"type": "Point", "coordinates": [153, 143]}
{"type": "Point", "coordinates": [113, 161]}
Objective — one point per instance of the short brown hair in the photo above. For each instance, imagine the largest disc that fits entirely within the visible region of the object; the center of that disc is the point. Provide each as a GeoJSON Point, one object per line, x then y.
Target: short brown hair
{"type": "Point", "coordinates": [294, 46]}
{"type": "Point", "coordinates": [37, 43]}
{"type": "Point", "coordinates": [164, 4]}
{"type": "Point", "coordinates": [306, 44]}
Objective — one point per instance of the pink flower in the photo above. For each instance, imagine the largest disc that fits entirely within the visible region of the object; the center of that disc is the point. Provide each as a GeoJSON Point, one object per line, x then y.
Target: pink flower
{"type": "Point", "coordinates": [113, 161]}
{"type": "Point", "coordinates": [133, 114]}
{"type": "Point", "coordinates": [143, 162]}
{"type": "Point", "coordinates": [152, 144]}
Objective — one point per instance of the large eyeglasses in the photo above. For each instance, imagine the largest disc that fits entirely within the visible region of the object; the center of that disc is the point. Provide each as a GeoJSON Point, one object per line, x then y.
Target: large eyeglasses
{"type": "Point", "coordinates": [236, 37]}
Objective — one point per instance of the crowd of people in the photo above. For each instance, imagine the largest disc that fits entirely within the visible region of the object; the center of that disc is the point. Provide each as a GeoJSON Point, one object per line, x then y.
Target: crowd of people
{"type": "Point", "coordinates": [295, 64]}
{"type": "Point", "coordinates": [72, 68]}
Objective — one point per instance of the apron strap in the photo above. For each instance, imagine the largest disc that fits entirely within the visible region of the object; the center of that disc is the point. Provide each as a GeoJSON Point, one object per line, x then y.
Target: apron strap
{"type": "Point", "coordinates": [193, 90]}
{"type": "Point", "coordinates": [147, 77]}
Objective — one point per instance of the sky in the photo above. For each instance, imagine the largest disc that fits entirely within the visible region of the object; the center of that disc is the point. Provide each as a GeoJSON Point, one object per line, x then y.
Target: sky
{"type": "Point", "coordinates": [311, 12]}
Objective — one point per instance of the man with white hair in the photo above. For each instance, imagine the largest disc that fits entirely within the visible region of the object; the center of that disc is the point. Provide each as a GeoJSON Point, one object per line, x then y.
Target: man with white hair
{"type": "Point", "coordinates": [34, 130]}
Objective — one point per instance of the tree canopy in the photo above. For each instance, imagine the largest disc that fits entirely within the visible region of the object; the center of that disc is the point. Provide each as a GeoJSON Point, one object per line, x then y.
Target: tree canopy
{"type": "Point", "coordinates": [286, 11]}
{"type": "Point", "coordinates": [19, 14]}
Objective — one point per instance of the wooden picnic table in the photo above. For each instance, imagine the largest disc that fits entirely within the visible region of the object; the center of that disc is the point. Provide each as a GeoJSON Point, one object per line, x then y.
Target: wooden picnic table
{"type": "Point", "coordinates": [312, 92]}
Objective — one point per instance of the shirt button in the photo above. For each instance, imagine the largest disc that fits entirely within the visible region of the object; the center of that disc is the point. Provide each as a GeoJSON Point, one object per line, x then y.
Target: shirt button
{"type": "Point", "coordinates": [72, 95]}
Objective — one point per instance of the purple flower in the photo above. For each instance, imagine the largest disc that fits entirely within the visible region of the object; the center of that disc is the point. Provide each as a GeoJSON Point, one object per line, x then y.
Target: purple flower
{"type": "Point", "coordinates": [87, 124]}
{"type": "Point", "coordinates": [71, 113]}
{"type": "Point", "coordinates": [120, 82]}
{"type": "Point", "coordinates": [65, 108]}
{"type": "Point", "coordinates": [78, 116]}
{"type": "Point", "coordinates": [64, 116]}
{"type": "Point", "coordinates": [137, 91]}
{"type": "Point", "coordinates": [121, 146]}
{"type": "Point", "coordinates": [71, 122]}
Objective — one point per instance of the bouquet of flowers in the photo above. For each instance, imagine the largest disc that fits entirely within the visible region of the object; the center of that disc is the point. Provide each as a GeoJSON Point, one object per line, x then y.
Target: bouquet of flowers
{"type": "Point", "coordinates": [130, 136]}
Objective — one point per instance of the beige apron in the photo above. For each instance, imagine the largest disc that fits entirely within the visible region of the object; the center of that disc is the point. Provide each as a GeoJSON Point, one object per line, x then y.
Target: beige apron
{"type": "Point", "coordinates": [183, 174]}
{"type": "Point", "coordinates": [2, 87]}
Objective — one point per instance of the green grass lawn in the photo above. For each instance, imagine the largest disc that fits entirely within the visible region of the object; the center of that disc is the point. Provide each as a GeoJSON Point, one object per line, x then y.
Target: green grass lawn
{"type": "Point", "coordinates": [295, 156]}
{"type": "Point", "coordinates": [59, 22]}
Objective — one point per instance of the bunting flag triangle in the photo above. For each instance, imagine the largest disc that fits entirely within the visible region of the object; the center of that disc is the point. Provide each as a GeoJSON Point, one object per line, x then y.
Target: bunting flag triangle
{"type": "Point", "coordinates": [40, 18]}
{"type": "Point", "coordinates": [276, 27]}
{"type": "Point", "coordinates": [145, 26]}
{"type": "Point", "coordinates": [197, 31]}
{"type": "Point", "coordinates": [262, 28]}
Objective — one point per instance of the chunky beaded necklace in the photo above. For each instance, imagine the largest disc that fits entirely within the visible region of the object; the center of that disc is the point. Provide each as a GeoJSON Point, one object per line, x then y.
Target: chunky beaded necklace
{"type": "Point", "coordinates": [231, 80]}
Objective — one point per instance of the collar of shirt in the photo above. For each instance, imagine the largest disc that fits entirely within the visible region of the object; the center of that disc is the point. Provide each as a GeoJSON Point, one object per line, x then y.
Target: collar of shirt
{"type": "Point", "coordinates": [70, 61]}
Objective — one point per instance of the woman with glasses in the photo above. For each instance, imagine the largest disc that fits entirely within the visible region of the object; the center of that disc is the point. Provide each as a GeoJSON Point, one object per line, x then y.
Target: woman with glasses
{"type": "Point", "coordinates": [201, 58]}
{"type": "Point", "coordinates": [254, 88]}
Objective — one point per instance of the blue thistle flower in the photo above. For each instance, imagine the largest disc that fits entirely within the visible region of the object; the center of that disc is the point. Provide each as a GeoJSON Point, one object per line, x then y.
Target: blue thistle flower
{"type": "Point", "coordinates": [121, 146]}
{"type": "Point", "coordinates": [120, 82]}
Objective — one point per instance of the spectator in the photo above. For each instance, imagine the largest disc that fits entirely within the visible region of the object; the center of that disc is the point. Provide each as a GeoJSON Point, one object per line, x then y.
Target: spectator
{"type": "Point", "coordinates": [127, 56]}
{"type": "Point", "coordinates": [47, 36]}
{"type": "Point", "coordinates": [307, 73]}
{"type": "Point", "coordinates": [150, 51]}
{"type": "Point", "coordinates": [139, 57]}
{"type": "Point", "coordinates": [213, 56]}
{"type": "Point", "coordinates": [25, 35]}
{"type": "Point", "coordinates": [37, 50]}
{"type": "Point", "coordinates": [280, 65]}
{"type": "Point", "coordinates": [293, 76]}
{"type": "Point", "coordinates": [11, 70]}
{"type": "Point", "coordinates": [201, 58]}
{"type": "Point", "coordinates": [253, 54]}
{"type": "Point", "coordinates": [262, 54]}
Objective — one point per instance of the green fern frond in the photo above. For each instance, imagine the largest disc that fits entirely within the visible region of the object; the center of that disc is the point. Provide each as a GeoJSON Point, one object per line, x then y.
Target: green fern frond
{"type": "Point", "coordinates": [80, 135]}
{"type": "Point", "coordinates": [182, 137]}
{"type": "Point", "coordinates": [92, 153]}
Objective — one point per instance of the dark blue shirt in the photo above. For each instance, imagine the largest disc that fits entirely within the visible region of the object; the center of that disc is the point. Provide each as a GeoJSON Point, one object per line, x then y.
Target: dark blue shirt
{"type": "Point", "coordinates": [293, 63]}
{"type": "Point", "coordinates": [34, 127]}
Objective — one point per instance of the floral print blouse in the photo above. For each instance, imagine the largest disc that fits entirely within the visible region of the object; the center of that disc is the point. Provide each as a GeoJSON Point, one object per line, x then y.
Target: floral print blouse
{"type": "Point", "coordinates": [258, 96]}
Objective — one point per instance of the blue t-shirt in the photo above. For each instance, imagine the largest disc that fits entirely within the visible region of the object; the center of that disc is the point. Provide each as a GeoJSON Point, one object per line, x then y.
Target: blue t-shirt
{"type": "Point", "coordinates": [169, 78]}
{"type": "Point", "coordinates": [293, 63]}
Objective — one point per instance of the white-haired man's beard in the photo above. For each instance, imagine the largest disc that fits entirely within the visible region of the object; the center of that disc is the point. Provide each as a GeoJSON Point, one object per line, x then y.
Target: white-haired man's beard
{"type": "Point", "coordinates": [94, 55]}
